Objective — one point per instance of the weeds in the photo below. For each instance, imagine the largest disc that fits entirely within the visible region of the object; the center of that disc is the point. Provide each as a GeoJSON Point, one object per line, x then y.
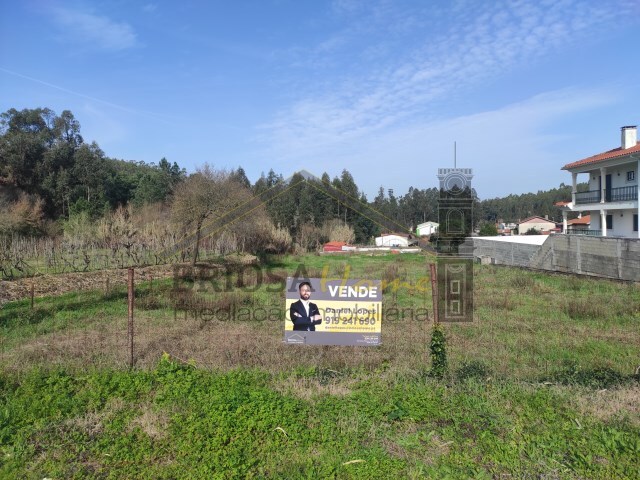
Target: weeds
{"type": "Point", "coordinates": [596, 378]}
{"type": "Point", "coordinates": [580, 308]}
{"type": "Point", "coordinates": [474, 369]}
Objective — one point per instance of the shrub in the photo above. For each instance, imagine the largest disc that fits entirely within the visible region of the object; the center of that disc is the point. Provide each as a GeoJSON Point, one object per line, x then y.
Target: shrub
{"type": "Point", "coordinates": [438, 352]}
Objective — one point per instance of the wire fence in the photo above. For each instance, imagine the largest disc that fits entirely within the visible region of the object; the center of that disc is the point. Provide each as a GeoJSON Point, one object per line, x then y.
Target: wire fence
{"type": "Point", "coordinates": [229, 321]}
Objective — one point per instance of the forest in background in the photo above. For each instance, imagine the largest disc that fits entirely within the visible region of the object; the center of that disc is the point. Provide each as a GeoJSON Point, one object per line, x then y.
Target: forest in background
{"type": "Point", "coordinates": [53, 184]}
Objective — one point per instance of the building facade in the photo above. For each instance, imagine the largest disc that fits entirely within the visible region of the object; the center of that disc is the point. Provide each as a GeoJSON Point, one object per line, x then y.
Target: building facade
{"type": "Point", "coordinates": [612, 197]}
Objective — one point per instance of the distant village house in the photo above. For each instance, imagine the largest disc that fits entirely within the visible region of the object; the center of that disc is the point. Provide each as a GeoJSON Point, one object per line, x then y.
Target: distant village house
{"type": "Point", "coordinates": [539, 224]}
{"type": "Point", "coordinates": [427, 228]}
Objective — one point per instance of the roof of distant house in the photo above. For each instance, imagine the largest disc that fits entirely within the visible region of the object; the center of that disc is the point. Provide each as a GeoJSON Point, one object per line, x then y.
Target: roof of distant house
{"type": "Point", "coordinates": [600, 157]}
{"type": "Point", "coordinates": [535, 217]}
{"type": "Point", "coordinates": [335, 244]}
{"type": "Point", "coordinates": [586, 220]}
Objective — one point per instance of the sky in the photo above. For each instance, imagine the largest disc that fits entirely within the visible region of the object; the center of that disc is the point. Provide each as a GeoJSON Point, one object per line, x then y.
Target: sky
{"type": "Point", "coordinates": [381, 88]}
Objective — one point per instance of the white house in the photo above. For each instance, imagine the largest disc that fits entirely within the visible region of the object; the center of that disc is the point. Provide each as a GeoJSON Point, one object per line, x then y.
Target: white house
{"type": "Point", "coordinates": [392, 240]}
{"type": "Point", "coordinates": [537, 223]}
{"type": "Point", "coordinates": [427, 228]}
{"type": "Point", "coordinates": [612, 198]}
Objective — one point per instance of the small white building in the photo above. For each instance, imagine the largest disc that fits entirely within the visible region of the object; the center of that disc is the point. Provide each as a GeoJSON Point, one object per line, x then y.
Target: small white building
{"type": "Point", "coordinates": [427, 228]}
{"type": "Point", "coordinates": [392, 240]}
{"type": "Point", "coordinates": [537, 223]}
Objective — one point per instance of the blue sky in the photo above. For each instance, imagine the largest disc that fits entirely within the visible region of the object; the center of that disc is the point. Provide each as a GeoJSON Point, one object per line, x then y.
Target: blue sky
{"type": "Point", "coordinates": [381, 88]}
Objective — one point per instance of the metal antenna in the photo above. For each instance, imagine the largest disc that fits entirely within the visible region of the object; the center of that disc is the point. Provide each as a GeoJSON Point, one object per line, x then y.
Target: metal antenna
{"type": "Point", "coordinates": [454, 154]}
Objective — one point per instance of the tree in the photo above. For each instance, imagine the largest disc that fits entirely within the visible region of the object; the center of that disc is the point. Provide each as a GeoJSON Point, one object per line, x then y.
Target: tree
{"type": "Point", "coordinates": [25, 136]}
{"type": "Point", "coordinates": [91, 173]}
{"type": "Point", "coordinates": [348, 186]}
{"type": "Point", "coordinates": [208, 195]}
{"type": "Point", "coordinates": [241, 177]}
{"type": "Point", "coordinates": [488, 230]}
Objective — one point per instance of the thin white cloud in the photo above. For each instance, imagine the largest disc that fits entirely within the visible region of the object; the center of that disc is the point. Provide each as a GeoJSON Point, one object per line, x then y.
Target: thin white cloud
{"type": "Point", "coordinates": [99, 31]}
{"type": "Point", "coordinates": [483, 40]}
{"type": "Point", "coordinates": [511, 149]}
{"type": "Point", "coordinates": [155, 116]}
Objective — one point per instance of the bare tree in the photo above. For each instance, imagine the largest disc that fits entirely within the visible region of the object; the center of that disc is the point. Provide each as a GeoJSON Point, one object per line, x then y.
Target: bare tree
{"type": "Point", "coordinates": [203, 197]}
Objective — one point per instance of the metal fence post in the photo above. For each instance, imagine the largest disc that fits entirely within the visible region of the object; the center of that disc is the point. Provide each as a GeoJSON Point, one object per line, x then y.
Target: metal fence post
{"type": "Point", "coordinates": [434, 292]}
{"type": "Point", "coordinates": [130, 323]}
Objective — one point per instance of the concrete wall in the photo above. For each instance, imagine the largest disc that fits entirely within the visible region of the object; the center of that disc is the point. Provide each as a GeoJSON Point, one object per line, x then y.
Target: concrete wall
{"type": "Point", "coordinates": [505, 252]}
{"type": "Point", "coordinates": [617, 258]}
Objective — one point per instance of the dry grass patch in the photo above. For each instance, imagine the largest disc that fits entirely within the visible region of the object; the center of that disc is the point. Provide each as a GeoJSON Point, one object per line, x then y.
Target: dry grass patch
{"type": "Point", "coordinates": [414, 443]}
{"type": "Point", "coordinates": [92, 423]}
{"type": "Point", "coordinates": [151, 421]}
{"type": "Point", "coordinates": [607, 405]}
{"type": "Point", "coordinates": [307, 388]}
{"type": "Point", "coordinates": [502, 301]}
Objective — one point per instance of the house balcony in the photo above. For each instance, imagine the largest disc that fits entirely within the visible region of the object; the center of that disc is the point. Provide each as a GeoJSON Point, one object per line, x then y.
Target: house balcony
{"type": "Point", "coordinates": [620, 194]}
{"type": "Point", "coordinates": [584, 231]}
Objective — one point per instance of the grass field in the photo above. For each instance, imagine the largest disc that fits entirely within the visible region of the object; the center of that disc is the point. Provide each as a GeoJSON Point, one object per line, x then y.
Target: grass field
{"type": "Point", "coordinates": [540, 385]}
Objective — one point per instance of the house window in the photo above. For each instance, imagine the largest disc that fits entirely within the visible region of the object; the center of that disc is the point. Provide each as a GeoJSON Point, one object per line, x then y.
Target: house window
{"type": "Point", "coordinates": [635, 223]}
{"type": "Point", "coordinates": [609, 222]}
{"type": "Point", "coordinates": [631, 176]}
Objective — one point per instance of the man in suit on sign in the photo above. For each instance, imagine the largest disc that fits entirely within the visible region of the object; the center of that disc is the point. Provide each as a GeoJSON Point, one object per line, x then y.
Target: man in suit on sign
{"type": "Point", "coordinates": [304, 314]}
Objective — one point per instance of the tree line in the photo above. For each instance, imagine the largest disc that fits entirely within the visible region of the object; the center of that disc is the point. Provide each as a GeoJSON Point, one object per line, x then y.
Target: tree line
{"type": "Point", "coordinates": [49, 175]}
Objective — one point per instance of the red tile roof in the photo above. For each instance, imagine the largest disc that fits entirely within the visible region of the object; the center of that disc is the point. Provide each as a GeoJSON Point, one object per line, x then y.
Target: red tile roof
{"type": "Point", "coordinates": [616, 152]}
{"type": "Point", "coordinates": [336, 244]}
{"type": "Point", "coordinates": [586, 220]}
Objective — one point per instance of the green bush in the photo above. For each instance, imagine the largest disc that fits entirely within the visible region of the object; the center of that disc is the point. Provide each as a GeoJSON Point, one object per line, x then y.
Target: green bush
{"type": "Point", "coordinates": [438, 349]}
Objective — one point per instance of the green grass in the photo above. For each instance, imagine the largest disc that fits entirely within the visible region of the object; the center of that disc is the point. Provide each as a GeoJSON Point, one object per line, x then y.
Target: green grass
{"type": "Point", "coordinates": [541, 384]}
{"type": "Point", "coordinates": [177, 421]}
